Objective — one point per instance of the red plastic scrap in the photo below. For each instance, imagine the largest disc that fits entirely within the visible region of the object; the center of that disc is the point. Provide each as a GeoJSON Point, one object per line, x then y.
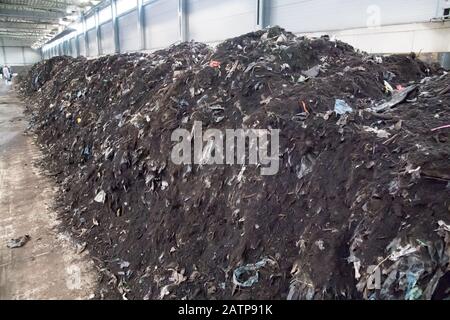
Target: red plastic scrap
{"type": "Point", "coordinates": [214, 64]}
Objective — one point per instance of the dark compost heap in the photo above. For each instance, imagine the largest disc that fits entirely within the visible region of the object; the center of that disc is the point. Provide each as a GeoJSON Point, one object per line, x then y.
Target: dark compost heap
{"type": "Point", "coordinates": [360, 207]}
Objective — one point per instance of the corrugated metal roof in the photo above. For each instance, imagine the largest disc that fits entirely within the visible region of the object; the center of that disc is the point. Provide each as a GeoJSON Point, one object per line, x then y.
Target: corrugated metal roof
{"type": "Point", "coordinates": [36, 21]}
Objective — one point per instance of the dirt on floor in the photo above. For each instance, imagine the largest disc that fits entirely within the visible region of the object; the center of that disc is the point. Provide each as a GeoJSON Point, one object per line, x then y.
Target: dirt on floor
{"type": "Point", "coordinates": [360, 205]}
{"type": "Point", "coordinates": [36, 262]}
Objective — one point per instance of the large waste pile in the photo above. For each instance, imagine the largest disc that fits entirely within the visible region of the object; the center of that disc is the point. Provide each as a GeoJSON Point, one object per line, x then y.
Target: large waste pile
{"type": "Point", "coordinates": [360, 207]}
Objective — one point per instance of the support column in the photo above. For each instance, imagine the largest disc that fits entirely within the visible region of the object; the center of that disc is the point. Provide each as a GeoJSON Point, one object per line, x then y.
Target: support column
{"type": "Point", "coordinates": [182, 20]}
{"type": "Point", "coordinates": [98, 33]}
{"type": "Point", "coordinates": [115, 26]}
{"type": "Point", "coordinates": [262, 7]}
{"type": "Point", "coordinates": [23, 57]}
{"type": "Point", "coordinates": [4, 51]}
{"type": "Point", "coordinates": [77, 46]}
{"type": "Point", "coordinates": [141, 24]}
{"type": "Point", "coordinates": [86, 40]}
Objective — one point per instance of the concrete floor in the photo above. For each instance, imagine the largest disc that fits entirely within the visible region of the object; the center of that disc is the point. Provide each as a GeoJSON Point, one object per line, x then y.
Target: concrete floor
{"type": "Point", "coordinates": [48, 266]}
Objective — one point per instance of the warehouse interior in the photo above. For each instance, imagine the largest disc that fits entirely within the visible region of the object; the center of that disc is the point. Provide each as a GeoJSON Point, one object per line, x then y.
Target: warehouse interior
{"type": "Point", "coordinates": [224, 150]}
{"type": "Point", "coordinates": [32, 30]}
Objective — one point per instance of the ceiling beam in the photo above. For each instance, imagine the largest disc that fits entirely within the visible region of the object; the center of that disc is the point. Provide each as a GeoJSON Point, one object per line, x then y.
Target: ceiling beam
{"type": "Point", "coordinates": [31, 7]}
{"type": "Point", "coordinates": [31, 21]}
{"type": "Point", "coordinates": [19, 31]}
{"type": "Point", "coordinates": [21, 37]}
{"type": "Point", "coordinates": [15, 42]}
{"type": "Point", "coordinates": [46, 3]}
{"type": "Point", "coordinates": [42, 4]}
{"type": "Point", "coordinates": [27, 25]}
{"type": "Point", "coordinates": [32, 15]}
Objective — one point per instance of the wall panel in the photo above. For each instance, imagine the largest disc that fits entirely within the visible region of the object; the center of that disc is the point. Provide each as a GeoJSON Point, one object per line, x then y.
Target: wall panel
{"type": "Point", "coordinates": [92, 43]}
{"type": "Point", "coordinates": [14, 55]}
{"type": "Point", "coordinates": [161, 19]}
{"type": "Point", "coordinates": [107, 40]}
{"type": "Point", "coordinates": [321, 15]}
{"type": "Point", "coordinates": [128, 32]}
{"type": "Point", "coordinates": [73, 47]}
{"type": "Point", "coordinates": [82, 45]}
{"type": "Point", "coordinates": [213, 21]}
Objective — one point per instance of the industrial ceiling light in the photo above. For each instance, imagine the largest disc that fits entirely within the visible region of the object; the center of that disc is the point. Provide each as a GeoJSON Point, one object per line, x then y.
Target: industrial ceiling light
{"type": "Point", "coordinates": [73, 12]}
{"type": "Point", "coordinates": [64, 21]}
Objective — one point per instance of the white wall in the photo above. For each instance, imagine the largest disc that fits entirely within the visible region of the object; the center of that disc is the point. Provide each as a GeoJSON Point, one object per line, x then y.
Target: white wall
{"type": "Point", "coordinates": [128, 33]}
{"type": "Point", "coordinates": [161, 28]}
{"type": "Point", "coordinates": [18, 56]}
{"type": "Point", "coordinates": [106, 35]}
{"type": "Point", "coordinates": [378, 26]}
{"type": "Point", "coordinates": [323, 15]}
{"type": "Point", "coordinates": [82, 45]}
{"type": "Point", "coordinates": [375, 26]}
{"type": "Point", "coordinates": [92, 43]}
{"type": "Point", "coordinates": [215, 21]}
{"type": "Point", "coordinates": [405, 38]}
